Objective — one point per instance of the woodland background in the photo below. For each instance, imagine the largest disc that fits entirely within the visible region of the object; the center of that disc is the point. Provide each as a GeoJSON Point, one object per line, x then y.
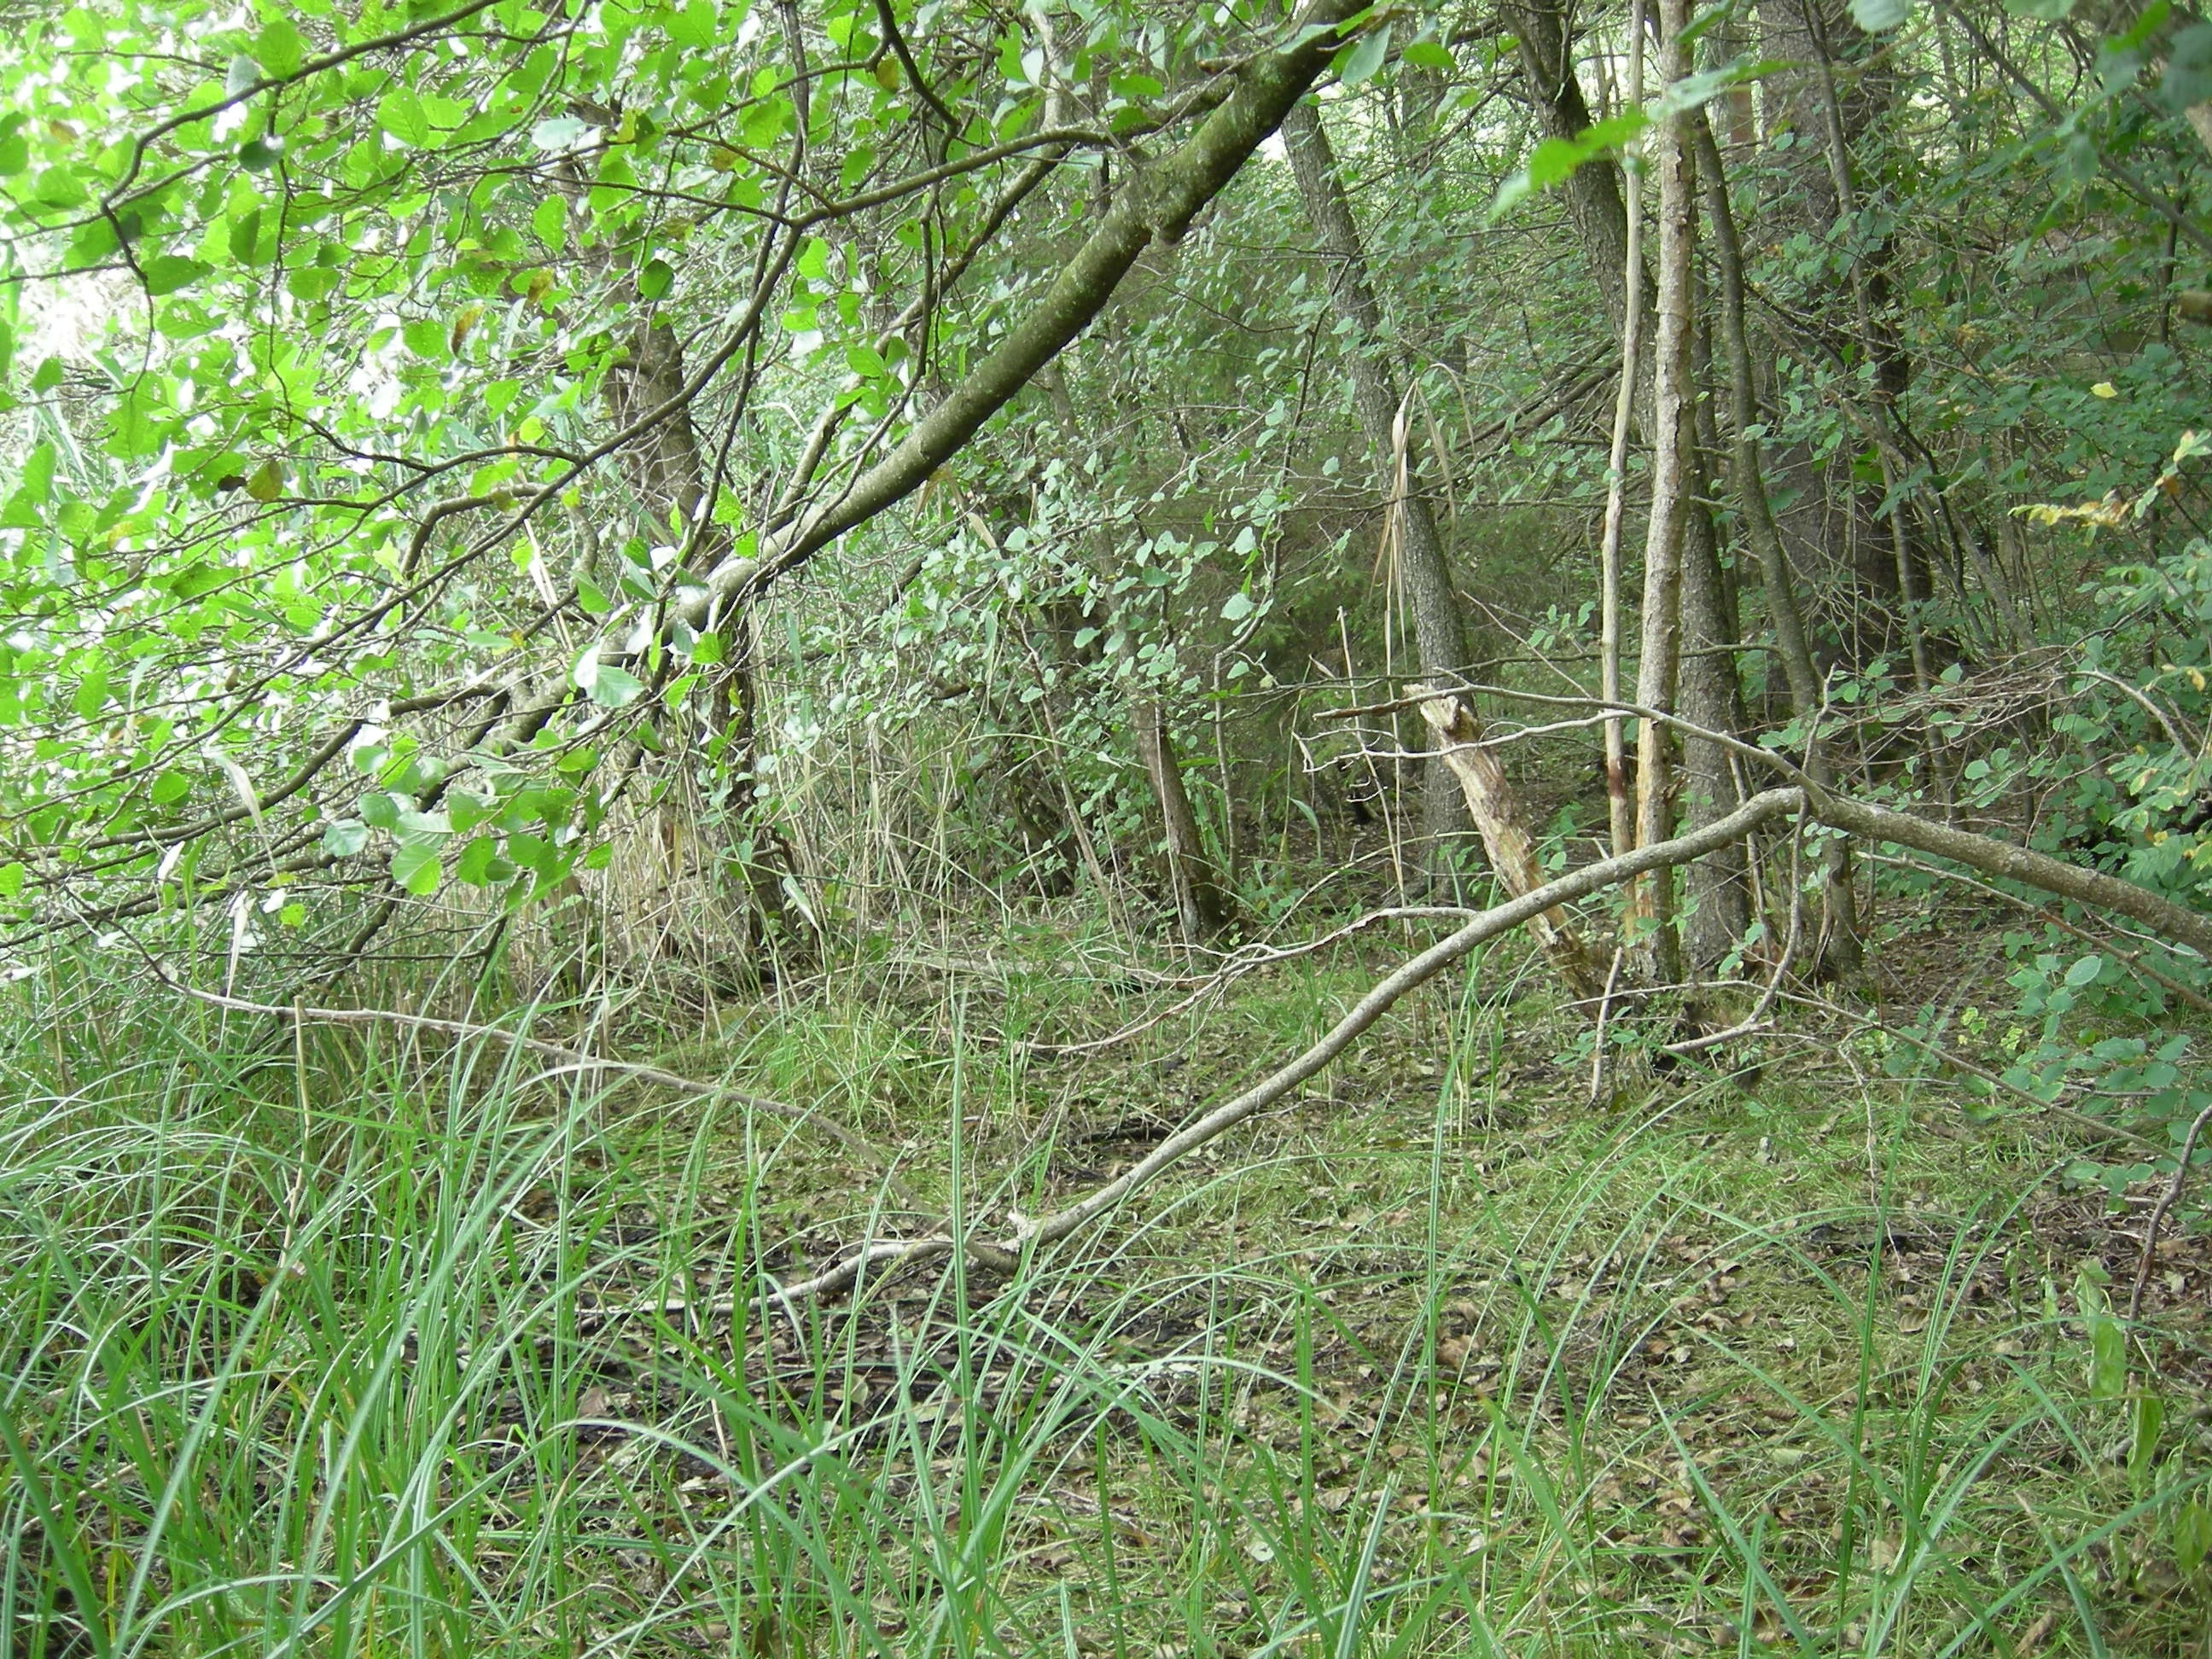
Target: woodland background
{"type": "Point", "coordinates": [1109, 827]}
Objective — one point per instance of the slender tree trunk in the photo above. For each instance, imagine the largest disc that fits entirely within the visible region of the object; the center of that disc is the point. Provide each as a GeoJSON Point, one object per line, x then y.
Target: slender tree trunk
{"type": "Point", "coordinates": [669, 473]}
{"type": "Point", "coordinates": [1202, 906]}
{"type": "Point", "coordinates": [1838, 951]}
{"type": "Point", "coordinates": [1619, 814]}
{"type": "Point", "coordinates": [1716, 888]}
{"type": "Point", "coordinates": [1880, 345]}
{"type": "Point", "coordinates": [1651, 913]}
{"type": "Point", "coordinates": [1440, 636]}
{"type": "Point", "coordinates": [1705, 679]}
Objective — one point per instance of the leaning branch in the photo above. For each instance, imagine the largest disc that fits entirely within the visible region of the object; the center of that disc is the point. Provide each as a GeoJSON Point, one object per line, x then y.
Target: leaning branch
{"type": "Point", "coordinates": [1855, 818]}
{"type": "Point", "coordinates": [2000, 858]}
{"type": "Point", "coordinates": [1486, 925]}
{"type": "Point", "coordinates": [1156, 202]}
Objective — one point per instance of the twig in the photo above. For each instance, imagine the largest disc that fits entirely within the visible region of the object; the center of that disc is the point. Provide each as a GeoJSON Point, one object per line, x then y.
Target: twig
{"type": "Point", "coordinates": [2167, 1200]}
{"type": "Point", "coordinates": [1604, 1013]}
{"type": "Point", "coordinates": [1727, 740]}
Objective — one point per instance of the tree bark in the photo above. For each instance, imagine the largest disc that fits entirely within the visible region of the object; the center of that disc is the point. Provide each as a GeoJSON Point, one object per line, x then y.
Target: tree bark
{"type": "Point", "coordinates": [1649, 919]}
{"type": "Point", "coordinates": [1838, 948]}
{"type": "Point", "coordinates": [1440, 639]}
{"type": "Point", "coordinates": [1620, 817]}
{"type": "Point", "coordinates": [670, 474]}
{"type": "Point", "coordinates": [1592, 191]}
{"type": "Point", "coordinates": [1497, 815]}
{"type": "Point", "coordinates": [1837, 527]}
{"type": "Point", "coordinates": [1201, 906]}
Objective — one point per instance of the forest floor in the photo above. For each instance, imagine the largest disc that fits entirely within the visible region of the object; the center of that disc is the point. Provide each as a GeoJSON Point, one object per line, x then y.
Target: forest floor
{"type": "Point", "coordinates": [1797, 1348]}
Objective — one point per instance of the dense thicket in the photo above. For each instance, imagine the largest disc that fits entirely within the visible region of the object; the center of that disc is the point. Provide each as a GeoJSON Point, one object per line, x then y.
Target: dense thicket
{"type": "Point", "coordinates": [779, 467]}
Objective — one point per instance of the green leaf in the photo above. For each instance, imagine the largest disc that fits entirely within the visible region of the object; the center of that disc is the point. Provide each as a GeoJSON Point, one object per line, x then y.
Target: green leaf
{"type": "Point", "coordinates": [1880, 17]}
{"type": "Point", "coordinates": [243, 76]}
{"type": "Point", "coordinates": [11, 885]}
{"type": "Point", "coordinates": [1238, 607]}
{"type": "Point", "coordinates": [476, 862]}
{"type": "Point", "coordinates": [612, 688]}
{"type": "Point", "coordinates": [415, 867]}
{"type": "Point", "coordinates": [425, 336]}
{"type": "Point", "coordinates": [39, 474]}
{"type": "Point", "coordinates": [91, 694]}
{"type": "Point", "coordinates": [557, 132]}
{"type": "Point", "coordinates": [550, 222]}
{"type": "Point", "coordinates": [344, 837]}
{"type": "Point", "coordinates": [2188, 77]}
{"type": "Point", "coordinates": [266, 481]}
{"type": "Point", "coordinates": [198, 580]}
{"type": "Point", "coordinates": [2192, 1522]}
{"type": "Point", "coordinates": [2043, 11]}
{"type": "Point", "coordinates": [695, 26]}
{"type": "Point", "coordinates": [654, 280]}
{"type": "Point", "coordinates": [244, 239]}
{"type": "Point", "coordinates": [1554, 161]}
{"type": "Point", "coordinates": [261, 154]}
{"type": "Point", "coordinates": [165, 273]}
{"type": "Point", "coordinates": [1358, 61]}
{"type": "Point", "coordinates": [279, 48]}
{"type": "Point", "coordinates": [1430, 55]}
{"type": "Point", "coordinates": [400, 113]}
{"type": "Point", "coordinates": [169, 788]}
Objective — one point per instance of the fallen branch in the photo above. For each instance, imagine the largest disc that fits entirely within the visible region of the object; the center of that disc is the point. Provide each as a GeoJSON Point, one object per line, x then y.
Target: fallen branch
{"type": "Point", "coordinates": [1980, 852]}
{"type": "Point", "coordinates": [1034, 1232]}
{"type": "Point", "coordinates": [2032, 869]}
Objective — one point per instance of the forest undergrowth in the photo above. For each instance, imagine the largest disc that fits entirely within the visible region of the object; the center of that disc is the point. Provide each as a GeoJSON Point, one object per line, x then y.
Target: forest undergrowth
{"type": "Point", "coordinates": [375, 1341]}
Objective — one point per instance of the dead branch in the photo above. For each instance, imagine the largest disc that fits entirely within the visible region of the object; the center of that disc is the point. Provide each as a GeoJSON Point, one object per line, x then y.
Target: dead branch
{"type": "Point", "coordinates": [2167, 1200]}
{"type": "Point", "coordinates": [1498, 818]}
{"type": "Point", "coordinates": [1030, 1233]}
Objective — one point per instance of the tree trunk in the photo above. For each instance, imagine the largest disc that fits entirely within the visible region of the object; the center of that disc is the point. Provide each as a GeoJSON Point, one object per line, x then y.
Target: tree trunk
{"type": "Point", "coordinates": [1837, 951]}
{"type": "Point", "coordinates": [1620, 817]}
{"type": "Point", "coordinates": [1202, 906]}
{"type": "Point", "coordinates": [1497, 815]}
{"type": "Point", "coordinates": [1651, 913]}
{"type": "Point", "coordinates": [669, 473]}
{"type": "Point", "coordinates": [1705, 678]}
{"type": "Point", "coordinates": [1837, 527]}
{"type": "Point", "coordinates": [1592, 191]}
{"type": "Point", "coordinates": [1440, 636]}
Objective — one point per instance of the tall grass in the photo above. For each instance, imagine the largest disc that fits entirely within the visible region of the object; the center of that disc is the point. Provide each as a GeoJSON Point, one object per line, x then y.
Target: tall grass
{"type": "Point", "coordinates": [303, 1349]}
